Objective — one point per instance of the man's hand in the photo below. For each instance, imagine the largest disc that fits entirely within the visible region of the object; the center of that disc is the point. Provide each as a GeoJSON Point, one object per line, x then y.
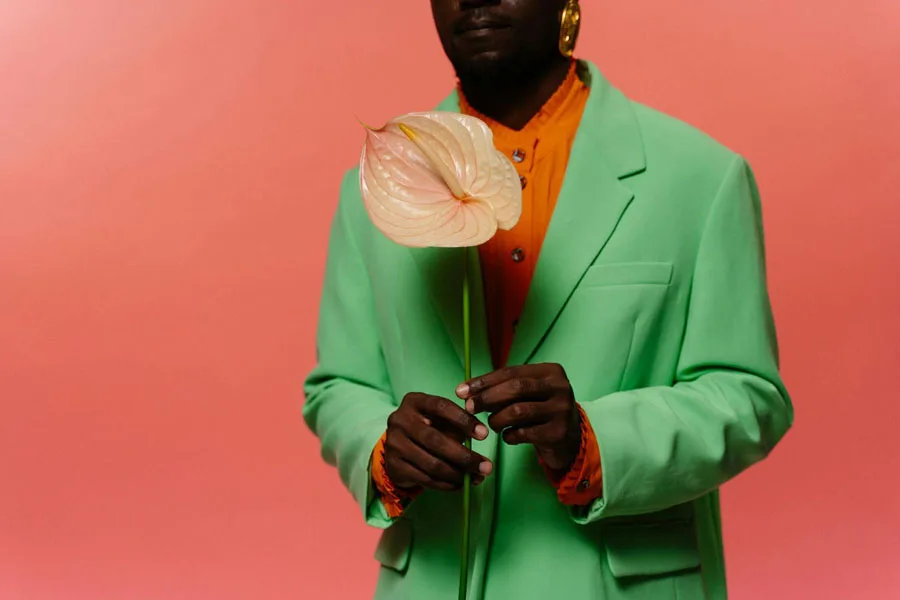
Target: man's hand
{"type": "Point", "coordinates": [530, 404]}
{"type": "Point", "coordinates": [423, 447]}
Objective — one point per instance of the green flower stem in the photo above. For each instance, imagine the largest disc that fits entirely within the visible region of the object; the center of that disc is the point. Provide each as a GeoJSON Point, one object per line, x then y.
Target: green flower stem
{"type": "Point", "coordinates": [467, 482]}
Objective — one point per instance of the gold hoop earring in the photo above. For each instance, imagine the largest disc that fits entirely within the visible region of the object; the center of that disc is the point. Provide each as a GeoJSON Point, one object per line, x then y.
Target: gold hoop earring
{"type": "Point", "coordinates": [570, 22]}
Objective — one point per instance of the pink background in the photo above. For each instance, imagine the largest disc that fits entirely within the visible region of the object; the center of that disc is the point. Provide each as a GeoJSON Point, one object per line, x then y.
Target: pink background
{"type": "Point", "coordinates": [167, 174]}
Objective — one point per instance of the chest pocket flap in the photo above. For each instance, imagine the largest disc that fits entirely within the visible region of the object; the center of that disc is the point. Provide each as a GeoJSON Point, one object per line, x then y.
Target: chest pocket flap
{"type": "Point", "coordinates": [630, 273]}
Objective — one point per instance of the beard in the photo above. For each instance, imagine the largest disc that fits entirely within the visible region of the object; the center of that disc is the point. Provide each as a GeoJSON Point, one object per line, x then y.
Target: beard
{"type": "Point", "coordinates": [491, 68]}
{"type": "Point", "coordinates": [496, 69]}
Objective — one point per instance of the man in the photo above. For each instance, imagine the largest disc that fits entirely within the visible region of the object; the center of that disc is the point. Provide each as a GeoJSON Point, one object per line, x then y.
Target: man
{"type": "Point", "coordinates": [623, 330]}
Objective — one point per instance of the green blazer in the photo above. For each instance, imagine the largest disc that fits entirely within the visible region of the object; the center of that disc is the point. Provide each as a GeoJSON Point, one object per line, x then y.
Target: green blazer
{"type": "Point", "coordinates": [650, 291]}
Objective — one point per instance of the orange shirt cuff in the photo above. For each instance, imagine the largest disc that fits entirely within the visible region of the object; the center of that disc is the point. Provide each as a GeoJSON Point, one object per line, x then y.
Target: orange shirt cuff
{"type": "Point", "coordinates": [395, 500]}
{"type": "Point", "coordinates": [583, 482]}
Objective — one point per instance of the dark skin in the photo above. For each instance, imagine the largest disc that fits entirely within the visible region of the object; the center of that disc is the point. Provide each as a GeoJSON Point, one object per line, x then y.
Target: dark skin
{"type": "Point", "coordinates": [529, 404]}
{"type": "Point", "coordinates": [505, 53]}
{"type": "Point", "coordinates": [506, 56]}
{"type": "Point", "coordinates": [423, 447]}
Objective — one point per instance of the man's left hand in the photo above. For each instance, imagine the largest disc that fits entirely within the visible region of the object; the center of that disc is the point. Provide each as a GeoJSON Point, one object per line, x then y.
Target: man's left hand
{"type": "Point", "coordinates": [529, 404]}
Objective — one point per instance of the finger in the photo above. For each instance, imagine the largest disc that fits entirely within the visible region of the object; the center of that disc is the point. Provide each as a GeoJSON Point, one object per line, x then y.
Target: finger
{"type": "Point", "coordinates": [407, 416]}
{"type": "Point", "coordinates": [478, 384]}
{"type": "Point", "coordinates": [433, 467]}
{"type": "Point", "coordinates": [520, 414]}
{"type": "Point", "coordinates": [453, 416]}
{"type": "Point", "coordinates": [509, 392]}
{"type": "Point", "coordinates": [410, 476]}
{"type": "Point", "coordinates": [449, 451]}
{"type": "Point", "coordinates": [450, 431]}
{"type": "Point", "coordinates": [534, 371]}
{"type": "Point", "coordinates": [536, 435]}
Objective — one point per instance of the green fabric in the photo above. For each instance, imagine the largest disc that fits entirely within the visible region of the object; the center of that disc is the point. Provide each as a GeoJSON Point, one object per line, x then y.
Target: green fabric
{"type": "Point", "coordinates": [650, 290]}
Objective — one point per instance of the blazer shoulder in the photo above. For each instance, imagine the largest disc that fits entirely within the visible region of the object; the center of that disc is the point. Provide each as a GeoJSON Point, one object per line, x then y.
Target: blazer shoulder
{"type": "Point", "coordinates": [350, 180]}
{"type": "Point", "coordinates": [687, 163]}
{"type": "Point", "coordinates": [349, 210]}
{"type": "Point", "coordinates": [350, 197]}
{"type": "Point", "coordinates": [669, 140]}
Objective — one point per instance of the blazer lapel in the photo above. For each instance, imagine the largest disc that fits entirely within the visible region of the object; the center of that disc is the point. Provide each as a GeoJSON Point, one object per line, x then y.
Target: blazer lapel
{"type": "Point", "coordinates": [606, 149]}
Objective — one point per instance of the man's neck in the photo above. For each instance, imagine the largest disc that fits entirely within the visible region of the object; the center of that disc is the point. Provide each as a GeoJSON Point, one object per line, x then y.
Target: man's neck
{"type": "Point", "coordinates": [513, 102]}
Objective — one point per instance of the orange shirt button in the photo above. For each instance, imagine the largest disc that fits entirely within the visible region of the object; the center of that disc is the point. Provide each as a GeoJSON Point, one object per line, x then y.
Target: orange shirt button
{"type": "Point", "coordinates": [518, 255]}
{"type": "Point", "coordinates": [523, 181]}
{"type": "Point", "coordinates": [518, 155]}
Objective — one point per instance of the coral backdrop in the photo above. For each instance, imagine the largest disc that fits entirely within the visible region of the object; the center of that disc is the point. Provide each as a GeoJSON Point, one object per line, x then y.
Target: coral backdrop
{"type": "Point", "coordinates": [168, 171]}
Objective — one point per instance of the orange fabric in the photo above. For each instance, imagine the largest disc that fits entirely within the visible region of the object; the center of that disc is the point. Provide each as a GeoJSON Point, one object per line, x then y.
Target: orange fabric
{"type": "Point", "coordinates": [540, 154]}
{"type": "Point", "coordinates": [583, 483]}
{"type": "Point", "coordinates": [394, 500]}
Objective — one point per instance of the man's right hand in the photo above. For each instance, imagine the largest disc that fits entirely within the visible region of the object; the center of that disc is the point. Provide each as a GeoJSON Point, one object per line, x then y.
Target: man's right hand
{"type": "Point", "coordinates": [424, 444]}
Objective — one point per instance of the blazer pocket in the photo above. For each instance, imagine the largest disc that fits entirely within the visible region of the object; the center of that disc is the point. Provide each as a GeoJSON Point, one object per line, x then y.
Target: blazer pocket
{"type": "Point", "coordinates": [394, 546]}
{"type": "Point", "coordinates": [631, 273]}
{"type": "Point", "coordinates": [651, 549]}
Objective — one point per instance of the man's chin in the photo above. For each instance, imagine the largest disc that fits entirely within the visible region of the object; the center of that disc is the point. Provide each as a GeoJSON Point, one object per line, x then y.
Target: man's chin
{"type": "Point", "coordinates": [485, 66]}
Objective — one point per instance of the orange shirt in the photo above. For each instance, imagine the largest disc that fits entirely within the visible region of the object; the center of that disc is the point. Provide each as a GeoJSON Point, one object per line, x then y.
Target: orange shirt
{"type": "Point", "coordinates": [540, 153]}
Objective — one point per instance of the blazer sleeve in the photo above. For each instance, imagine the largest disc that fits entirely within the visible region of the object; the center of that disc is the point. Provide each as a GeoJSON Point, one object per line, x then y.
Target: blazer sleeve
{"type": "Point", "coordinates": [728, 407]}
{"type": "Point", "coordinates": [348, 393]}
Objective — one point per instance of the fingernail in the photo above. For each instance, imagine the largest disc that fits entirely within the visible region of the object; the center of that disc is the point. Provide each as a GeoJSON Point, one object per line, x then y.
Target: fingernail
{"type": "Point", "coordinates": [481, 432]}
{"type": "Point", "coordinates": [462, 390]}
{"type": "Point", "coordinates": [485, 468]}
{"type": "Point", "coordinates": [470, 406]}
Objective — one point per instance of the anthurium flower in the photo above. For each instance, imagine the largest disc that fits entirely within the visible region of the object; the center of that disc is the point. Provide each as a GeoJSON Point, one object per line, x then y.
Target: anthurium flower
{"type": "Point", "coordinates": [436, 179]}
